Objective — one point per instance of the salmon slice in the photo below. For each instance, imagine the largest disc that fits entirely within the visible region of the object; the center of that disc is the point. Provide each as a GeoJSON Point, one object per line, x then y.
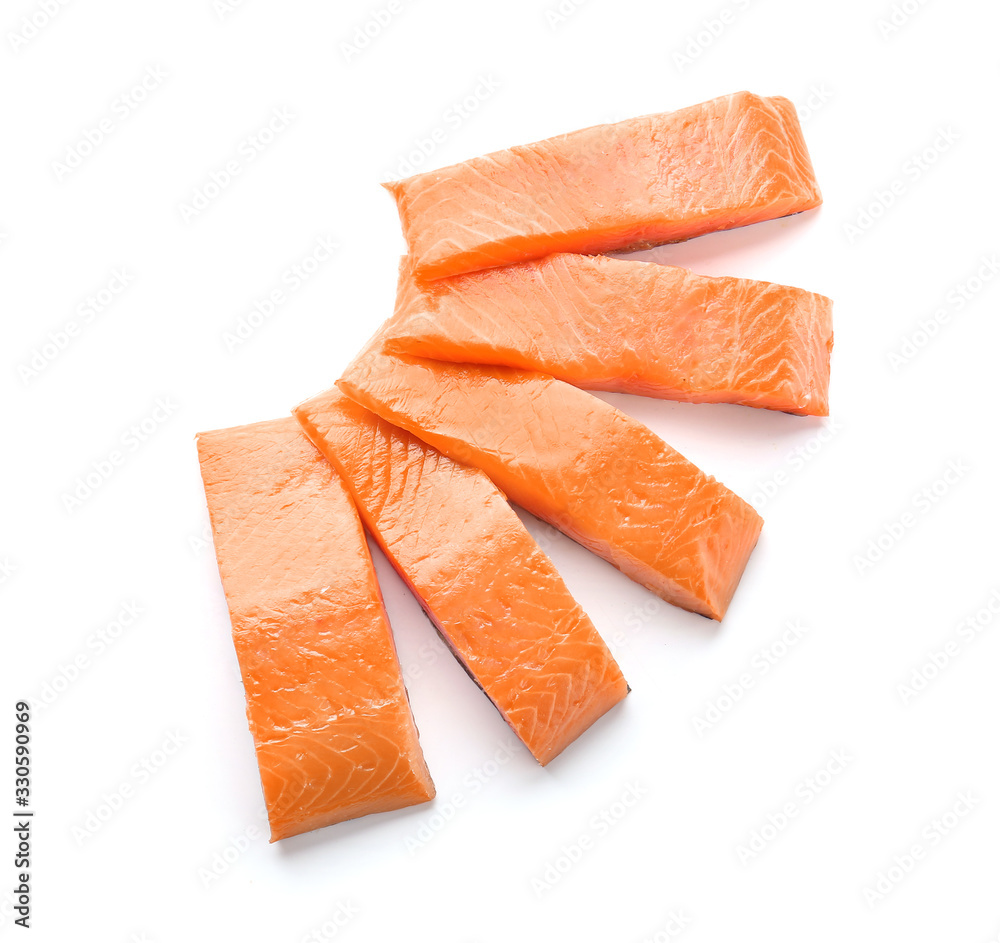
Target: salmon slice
{"type": "Point", "coordinates": [327, 708]}
{"type": "Point", "coordinates": [660, 178]}
{"type": "Point", "coordinates": [629, 327]}
{"type": "Point", "coordinates": [571, 459]}
{"type": "Point", "coordinates": [494, 596]}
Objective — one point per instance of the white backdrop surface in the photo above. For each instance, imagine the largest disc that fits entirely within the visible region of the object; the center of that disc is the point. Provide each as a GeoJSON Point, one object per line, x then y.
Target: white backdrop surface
{"type": "Point", "coordinates": [821, 766]}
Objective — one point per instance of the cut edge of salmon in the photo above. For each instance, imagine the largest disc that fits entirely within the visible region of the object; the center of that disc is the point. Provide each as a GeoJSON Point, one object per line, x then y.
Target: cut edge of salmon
{"type": "Point", "coordinates": [416, 785]}
{"type": "Point", "coordinates": [743, 528]}
{"type": "Point", "coordinates": [582, 720]}
{"type": "Point", "coordinates": [430, 323]}
{"type": "Point", "coordinates": [447, 257]}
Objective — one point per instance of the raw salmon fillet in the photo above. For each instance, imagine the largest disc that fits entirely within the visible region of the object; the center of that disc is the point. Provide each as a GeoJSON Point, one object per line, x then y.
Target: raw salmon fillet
{"type": "Point", "coordinates": [571, 459]}
{"type": "Point", "coordinates": [630, 327]}
{"type": "Point", "coordinates": [496, 599]}
{"type": "Point", "coordinates": [660, 178]}
{"type": "Point", "coordinates": [325, 698]}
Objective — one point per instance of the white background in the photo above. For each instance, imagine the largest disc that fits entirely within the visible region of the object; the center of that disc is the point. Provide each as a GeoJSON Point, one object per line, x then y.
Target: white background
{"type": "Point", "coordinates": [873, 100]}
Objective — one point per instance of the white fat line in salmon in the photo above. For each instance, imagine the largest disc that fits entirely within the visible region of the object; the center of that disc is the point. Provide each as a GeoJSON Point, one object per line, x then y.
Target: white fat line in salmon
{"type": "Point", "coordinates": [804, 793]}
{"type": "Point", "coordinates": [373, 27]}
{"type": "Point", "coordinates": [796, 460]}
{"type": "Point", "coordinates": [60, 339]}
{"type": "Point", "coordinates": [69, 670]}
{"type": "Point", "coordinates": [247, 151]}
{"type": "Point", "coordinates": [889, 194]}
{"type": "Point", "coordinates": [94, 135]}
{"type": "Point", "coordinates": [712, 27]}
{"type": "Point", "coordinates": [899, 16]}
{"type": "Point", "coordinates": [943, 656]}
{"type": "Point", "coordinates": [291, 279]}
{"type": "Point", "coordinates": [424, 146]}
{"type": "Point", "coordinates": [599, 825]}
{"type": "Point", "coordinates": [759, 665]}
{"type": "Point", "coordinates": [924, 501]}
{"type": "Point", "coordinates": [129, 442]}
{"type": "Point", "coordinates": [29, 26]}
{"type": "Point", "coordinates": [956, 299]}
{"type": "Point", "coordinates": [931, 836]}
{"type": "Point", "coordinates": [472, 784]}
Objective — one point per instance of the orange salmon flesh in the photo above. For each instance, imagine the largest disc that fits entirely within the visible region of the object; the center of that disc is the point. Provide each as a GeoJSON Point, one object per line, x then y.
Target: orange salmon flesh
{"type": "Point", "coordinates": [495, 597]}
{"type": "Point", "coordinates": [628, 327]}
{"type": "Point", "coordinates": [326, 704]}
{"type": "Point", "coordinates": [660, 178]}
{"type": "Point", "coordinates": [576, 462]}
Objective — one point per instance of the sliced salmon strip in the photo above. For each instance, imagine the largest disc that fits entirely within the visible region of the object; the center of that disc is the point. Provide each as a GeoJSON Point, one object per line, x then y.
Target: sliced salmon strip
{"type": "Point", "coordinates": [327, 708]}
{"type": "Point", "coordinates": [571, 459]}
{"type": "Point", "coordinates": [660, 178]}
{"type": "Point", "coordinates": [495, 597]}
{"type": "Point", "coordinates": [630, 327]}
